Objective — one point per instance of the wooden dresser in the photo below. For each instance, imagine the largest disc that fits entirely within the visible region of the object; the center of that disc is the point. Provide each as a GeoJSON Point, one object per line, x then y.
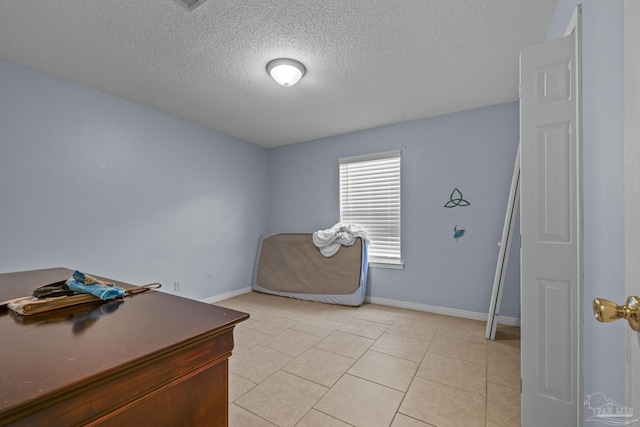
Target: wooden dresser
{"type": "Point", "coordinates": [153, 359]}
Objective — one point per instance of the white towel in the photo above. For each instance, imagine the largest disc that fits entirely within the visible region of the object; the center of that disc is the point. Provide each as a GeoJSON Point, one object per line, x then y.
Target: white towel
{"type": "Point", "coordinates": [330, 240]}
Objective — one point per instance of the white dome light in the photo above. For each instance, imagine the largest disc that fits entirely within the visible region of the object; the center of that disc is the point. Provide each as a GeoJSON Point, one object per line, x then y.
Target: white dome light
{"type": "Point", "coordinates": [285, 71]}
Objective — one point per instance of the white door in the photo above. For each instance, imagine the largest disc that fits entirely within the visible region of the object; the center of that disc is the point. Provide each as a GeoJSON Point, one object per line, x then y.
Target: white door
{"type": "Point", "coordinates": [551, 234]}
{"type": "Point", "coordinates": [632, 190]}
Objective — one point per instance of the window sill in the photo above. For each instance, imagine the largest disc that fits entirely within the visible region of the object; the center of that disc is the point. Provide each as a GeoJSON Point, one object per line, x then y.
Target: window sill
{"type": "Point", "coordinates": [399, 266]}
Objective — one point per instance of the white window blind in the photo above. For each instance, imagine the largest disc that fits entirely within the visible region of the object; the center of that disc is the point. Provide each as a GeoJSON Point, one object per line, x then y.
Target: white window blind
{"type": "Point", "coordinates": [370, 198]}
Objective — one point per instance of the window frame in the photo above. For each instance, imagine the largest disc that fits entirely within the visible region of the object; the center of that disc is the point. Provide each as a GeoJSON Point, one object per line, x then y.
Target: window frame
{"type": "Point", "coordinates": [379, 164]}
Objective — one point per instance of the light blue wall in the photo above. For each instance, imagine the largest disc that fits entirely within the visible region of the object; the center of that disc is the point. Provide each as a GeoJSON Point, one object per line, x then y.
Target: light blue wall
{"type": "Point", "coordinates": [92, 182]}
{"type": "Point", "coordinates": [603, 180]}
{"type": "Point", "coordinates": [472, 150]}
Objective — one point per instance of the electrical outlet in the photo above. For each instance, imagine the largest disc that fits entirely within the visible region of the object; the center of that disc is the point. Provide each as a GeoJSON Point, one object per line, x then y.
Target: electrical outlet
{"type": "Point", "coordinates": [176, 286]}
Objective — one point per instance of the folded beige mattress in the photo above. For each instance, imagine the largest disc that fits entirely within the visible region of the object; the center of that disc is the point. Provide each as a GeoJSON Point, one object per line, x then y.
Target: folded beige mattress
{"type": "Point", "coordinates": [291, 265]}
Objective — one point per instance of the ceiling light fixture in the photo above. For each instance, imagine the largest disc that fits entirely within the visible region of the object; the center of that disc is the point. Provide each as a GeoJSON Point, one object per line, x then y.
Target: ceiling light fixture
{"type": "Point", "coordinates": [286, 71]}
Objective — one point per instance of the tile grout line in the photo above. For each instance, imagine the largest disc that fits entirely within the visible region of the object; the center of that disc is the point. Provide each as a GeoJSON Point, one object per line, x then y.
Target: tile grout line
{"type": "Point", "coordinates": [404, 395]}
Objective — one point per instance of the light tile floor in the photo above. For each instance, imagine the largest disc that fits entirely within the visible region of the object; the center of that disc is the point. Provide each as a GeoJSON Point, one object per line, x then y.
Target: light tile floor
{"type": "Point", "coordinates": [305, 364]}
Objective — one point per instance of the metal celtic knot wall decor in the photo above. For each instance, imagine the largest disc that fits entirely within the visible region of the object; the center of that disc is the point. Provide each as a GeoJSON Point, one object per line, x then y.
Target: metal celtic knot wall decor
{"type": "Point", "coordinates": [455, 199]}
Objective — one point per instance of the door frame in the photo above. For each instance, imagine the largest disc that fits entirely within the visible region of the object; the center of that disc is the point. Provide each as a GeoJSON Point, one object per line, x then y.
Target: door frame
{"type": "Point", "coordinates": [575, 27]}
{"type": "Point", "coordinates": [631, 191]}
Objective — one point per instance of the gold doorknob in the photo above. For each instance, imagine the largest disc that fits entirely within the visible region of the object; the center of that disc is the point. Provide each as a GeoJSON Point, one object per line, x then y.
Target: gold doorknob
{"type": "Point", "coordinates": [608, 311]}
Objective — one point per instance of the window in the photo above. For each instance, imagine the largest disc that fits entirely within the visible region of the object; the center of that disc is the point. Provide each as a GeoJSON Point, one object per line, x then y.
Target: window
{"type": "Point", "coordinates": [370, 198]}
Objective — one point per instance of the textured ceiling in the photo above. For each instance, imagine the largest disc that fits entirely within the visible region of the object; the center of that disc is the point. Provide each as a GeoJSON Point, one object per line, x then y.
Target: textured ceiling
{"type": "Point", "coordinates": [369, 62]}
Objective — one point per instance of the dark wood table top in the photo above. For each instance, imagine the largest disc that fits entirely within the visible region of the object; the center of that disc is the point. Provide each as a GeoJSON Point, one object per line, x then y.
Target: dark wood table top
{"type": "Point", "coordinates": [44, 353]}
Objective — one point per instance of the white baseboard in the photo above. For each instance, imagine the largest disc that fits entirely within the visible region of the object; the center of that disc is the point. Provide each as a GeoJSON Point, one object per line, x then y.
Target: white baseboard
{"type": "Point", "coordinates": [510, 321]}
{"type": "Point", "coordinates": [504, 320]}
{"type": "Point", "coordinates": [226, 295]}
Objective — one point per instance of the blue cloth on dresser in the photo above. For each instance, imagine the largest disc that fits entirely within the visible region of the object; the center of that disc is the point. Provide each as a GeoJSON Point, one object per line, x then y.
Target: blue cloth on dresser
{"type": "Point", "coordinates": [83, 283]}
